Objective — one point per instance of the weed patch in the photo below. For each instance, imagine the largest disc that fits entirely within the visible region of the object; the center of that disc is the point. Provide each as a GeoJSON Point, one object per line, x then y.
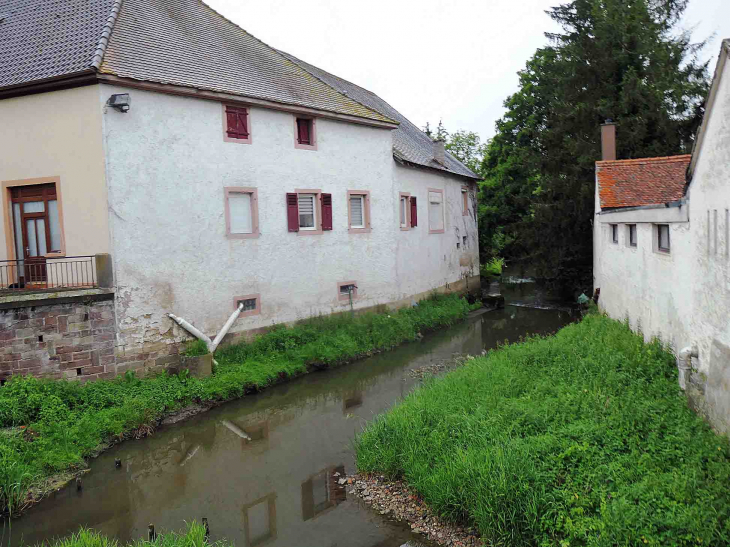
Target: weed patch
{"type": "Point", "coordinates": [582, 438]}
{"type": "Point", "coordinates": [48, 426]}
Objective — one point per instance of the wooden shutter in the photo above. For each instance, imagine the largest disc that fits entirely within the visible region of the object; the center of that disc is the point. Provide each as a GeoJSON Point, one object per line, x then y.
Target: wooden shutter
{"type": "Point", "coordinates": [326, 211]}
{"type": "Point", "coordinates": [414, 212]}
{"type": "Point", "coordinates": [292, 212]}
{"type": "Point", "coordinates": [236, 122]}
{"type": "Point", "coordinates": [303, 131]}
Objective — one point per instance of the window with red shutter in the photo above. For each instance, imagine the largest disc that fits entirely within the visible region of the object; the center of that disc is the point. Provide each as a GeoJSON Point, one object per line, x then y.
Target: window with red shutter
{"type": "Point", "coordinates": [326, 211]}
{"type": "Point", "coordinates": [237, 122]}
{"type": "Point", "coordinates": [292, 212]}
{"type": "Point", "coordinates": [414, 212]}
{"type": "Point", "coordinates": [304, 132]}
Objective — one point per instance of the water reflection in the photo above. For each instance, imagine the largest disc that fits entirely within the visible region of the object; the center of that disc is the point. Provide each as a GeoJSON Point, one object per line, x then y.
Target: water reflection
{"type": "Point", "coordinates": [265, 470]}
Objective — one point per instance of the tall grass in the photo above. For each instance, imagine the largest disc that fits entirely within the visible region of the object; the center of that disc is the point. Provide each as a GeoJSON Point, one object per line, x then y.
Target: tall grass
{"type": "Point", "coordinates": [51, 426]}
{"type": "Point", "coordinates": [583, 438]}
{"type": "Point", "coordinates": [194, 536]}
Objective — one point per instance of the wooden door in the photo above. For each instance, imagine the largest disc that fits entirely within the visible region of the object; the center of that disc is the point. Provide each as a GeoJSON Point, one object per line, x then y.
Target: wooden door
{"type": "Point", "coordinates": [31, 207]}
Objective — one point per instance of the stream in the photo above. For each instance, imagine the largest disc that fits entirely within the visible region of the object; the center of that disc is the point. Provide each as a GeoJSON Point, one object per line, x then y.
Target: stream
{"type": "Point", "coordinates": [264, 470]}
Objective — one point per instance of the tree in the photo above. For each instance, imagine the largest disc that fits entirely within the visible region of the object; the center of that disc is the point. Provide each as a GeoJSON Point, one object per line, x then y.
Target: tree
{"type": "Point", "coordinates": [614, 59]}
{"type": "Point", "coordinates": [466, 146]}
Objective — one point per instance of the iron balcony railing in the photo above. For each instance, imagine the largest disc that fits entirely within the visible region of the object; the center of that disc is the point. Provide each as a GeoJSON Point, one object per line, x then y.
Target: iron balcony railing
{"type": "Point", "coordinates": [44, 273]}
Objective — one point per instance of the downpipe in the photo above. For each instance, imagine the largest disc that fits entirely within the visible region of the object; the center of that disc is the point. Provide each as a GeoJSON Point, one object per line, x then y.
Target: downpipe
{"type": "Point", "coordinates": [212, 345]}
{"type": "Point", "coordinates": [684, 364]}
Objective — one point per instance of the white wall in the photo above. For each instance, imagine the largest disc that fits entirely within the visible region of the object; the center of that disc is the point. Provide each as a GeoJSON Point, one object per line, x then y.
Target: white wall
{"type": "Point", "coordinates": [683, 298]}
{"type": "Point", "coordinates": [709, 195]}
{"type": "Point", "coordinates": [167, 166]}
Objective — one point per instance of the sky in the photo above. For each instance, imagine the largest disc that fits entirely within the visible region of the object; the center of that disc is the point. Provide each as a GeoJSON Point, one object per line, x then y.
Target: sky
{"type": "Point", "coordinates": [432, 60]}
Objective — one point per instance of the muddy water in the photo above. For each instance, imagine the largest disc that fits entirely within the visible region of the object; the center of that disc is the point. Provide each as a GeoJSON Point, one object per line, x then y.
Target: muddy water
{"type": "Point", "coordinates": [264, 470]}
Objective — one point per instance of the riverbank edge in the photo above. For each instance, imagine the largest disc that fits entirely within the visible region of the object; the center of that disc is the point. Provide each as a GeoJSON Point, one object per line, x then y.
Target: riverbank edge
{"type": "Point", "coordinates": [398, 501]}
{"type": "Point", "coordinates": [58, 481]}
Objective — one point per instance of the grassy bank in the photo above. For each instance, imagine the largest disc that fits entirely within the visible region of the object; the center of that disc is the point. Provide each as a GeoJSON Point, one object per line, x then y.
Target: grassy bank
{"type": "Point", "coordinates": [583, 438]}
{"type": "Point", "coordinates": [47, 427]}
{"type": "Point", "coordinates": [194, 536]}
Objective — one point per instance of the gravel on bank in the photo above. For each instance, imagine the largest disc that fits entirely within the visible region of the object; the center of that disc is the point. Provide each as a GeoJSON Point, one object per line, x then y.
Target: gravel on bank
{"type": "Point", "coordinates": [396, 500]}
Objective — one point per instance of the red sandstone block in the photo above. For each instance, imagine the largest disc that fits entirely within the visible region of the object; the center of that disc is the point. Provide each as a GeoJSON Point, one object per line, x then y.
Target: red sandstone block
{"type": "Point", "coordinates": [66, 357]}
{"type": "Point", "coordinates": [63, 324]}
{"type": "Point", "coordinates": [92, 370]}
{"type": "Point", "coordinates": [7, 335]}
{"type": "Point", "coordinates": [80, 355]}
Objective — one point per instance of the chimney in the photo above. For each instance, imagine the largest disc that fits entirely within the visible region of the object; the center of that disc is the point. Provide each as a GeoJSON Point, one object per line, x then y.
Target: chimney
{"type": "Point", "coordinates": [439, 151]}
{"type": "Point", "coordinates": [608, 140]}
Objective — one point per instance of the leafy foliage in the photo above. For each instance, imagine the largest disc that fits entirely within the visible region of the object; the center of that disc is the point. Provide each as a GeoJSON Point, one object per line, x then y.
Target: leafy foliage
{"type": "Point", "coordinates": [583, 438]}
{"type": "Point", "coordinates": [614, 59]}
{"type": "Point", "coordinates": [51, 425]}
{"type": "Point", "coordinates": [196, 348]}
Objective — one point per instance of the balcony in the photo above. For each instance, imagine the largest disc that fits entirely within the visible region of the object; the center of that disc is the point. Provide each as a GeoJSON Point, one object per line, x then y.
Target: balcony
{"type": "Point", "coordinates": [38, 279]}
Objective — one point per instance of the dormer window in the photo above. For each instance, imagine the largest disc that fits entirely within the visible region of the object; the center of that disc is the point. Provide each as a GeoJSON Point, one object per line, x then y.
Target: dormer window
{"type": "Point", "coordinates": [305, 134]}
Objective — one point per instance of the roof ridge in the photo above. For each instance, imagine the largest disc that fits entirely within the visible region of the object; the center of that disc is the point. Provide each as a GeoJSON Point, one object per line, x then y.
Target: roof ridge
{"type": "Point", "coordinates": [106, 31]}
{"type": "Point", "coordinates": [658, 159]}
{"type": "Point", "coordinates": [279, 53]}
{"type": "Point", "coordinates": [289, 58]}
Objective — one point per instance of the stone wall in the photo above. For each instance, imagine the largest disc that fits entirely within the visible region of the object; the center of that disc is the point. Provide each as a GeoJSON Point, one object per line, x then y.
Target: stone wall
{"type": "Point", "coordinates": [59, 340]}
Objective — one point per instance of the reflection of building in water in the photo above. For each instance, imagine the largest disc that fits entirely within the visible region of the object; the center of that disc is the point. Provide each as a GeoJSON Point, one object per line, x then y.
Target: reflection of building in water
{"type": "Point", "coordinates": [322, 491]}
{"type": "Point", "coordinates": [351, 399]}
{"type": "Point", "coordinates": [259, 521]}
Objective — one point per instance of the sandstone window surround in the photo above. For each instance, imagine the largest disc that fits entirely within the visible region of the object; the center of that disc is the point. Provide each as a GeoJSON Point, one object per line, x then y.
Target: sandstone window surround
{"type": "Point", "coordinates": [242, 212]}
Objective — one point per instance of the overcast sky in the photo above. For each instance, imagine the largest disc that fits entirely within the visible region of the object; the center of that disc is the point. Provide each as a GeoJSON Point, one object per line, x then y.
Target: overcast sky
{"type": "Point", "coordinates": [430, 59]}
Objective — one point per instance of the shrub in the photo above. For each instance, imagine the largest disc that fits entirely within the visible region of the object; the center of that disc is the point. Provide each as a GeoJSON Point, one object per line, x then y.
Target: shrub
{"type": "Point", "coordinates": [583, 438]}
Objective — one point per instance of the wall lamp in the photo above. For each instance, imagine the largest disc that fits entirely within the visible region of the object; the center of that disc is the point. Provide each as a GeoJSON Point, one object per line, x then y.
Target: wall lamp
{"type": "Point", "coordinates": [120, 101]}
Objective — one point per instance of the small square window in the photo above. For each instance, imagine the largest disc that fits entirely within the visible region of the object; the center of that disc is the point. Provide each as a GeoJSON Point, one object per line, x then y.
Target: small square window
{"type": "Point", "coordinates": [236, 124]}
{"type": "Point", "coordinates": [435, 211]}
{"type": "Point", "coordinates": [358, 211]}
{"type": "Point", "coordinates": [465, 201]}
{"type": "Point", "coordinates": [347, 289]}
{"type": "Point", "coordinates": [251, 304]}
{"type": "Point", "coordinates": [614, 233]}
{"type": "Point", "coordinates": [403, 211]}
{"type": "Point", "coordinates": [631, 228]}
{"type": "Point", "coordinates": [663, 237]}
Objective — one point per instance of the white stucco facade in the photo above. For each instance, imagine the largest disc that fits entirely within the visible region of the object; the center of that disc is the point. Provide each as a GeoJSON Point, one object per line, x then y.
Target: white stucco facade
{"type": "Point", "coordinates": [167, 167]}
{"type": "Point", "coordinates": [682, 297]}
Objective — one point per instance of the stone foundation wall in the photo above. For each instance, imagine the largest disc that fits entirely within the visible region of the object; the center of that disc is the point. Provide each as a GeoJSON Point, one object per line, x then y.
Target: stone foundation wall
{"type": "Point", "coordinates": [59, 340]}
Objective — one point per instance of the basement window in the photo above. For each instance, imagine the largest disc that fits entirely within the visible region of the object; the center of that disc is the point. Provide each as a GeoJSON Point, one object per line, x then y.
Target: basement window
{"type": "Point", "coordinates": [345, 288]}
{"type": "Point", "coordinates": [251, 304]}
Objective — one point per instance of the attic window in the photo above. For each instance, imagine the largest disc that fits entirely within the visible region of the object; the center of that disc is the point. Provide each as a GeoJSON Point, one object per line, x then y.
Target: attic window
{"type": "Point", "coordinates": [614, 233]}
{"type": "Point", "coordinates": [305, 133]}
{"type": "Point", "coordinates": [663, 238]}
{"type": "Point", "coordinates": [236, 124]}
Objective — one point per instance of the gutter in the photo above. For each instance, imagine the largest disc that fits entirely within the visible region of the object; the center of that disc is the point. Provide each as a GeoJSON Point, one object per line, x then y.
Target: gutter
{"type": "Point", "coordinates": [54, 83]}
{"type": "Point", "coordinates": [667, 205]}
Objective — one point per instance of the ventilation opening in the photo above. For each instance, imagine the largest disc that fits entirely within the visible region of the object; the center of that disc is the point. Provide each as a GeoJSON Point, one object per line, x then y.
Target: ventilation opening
{"type": "Point", "coordinates": [463, 240]}
{"type": "Point", "coordinates": [86, 316]}
{"type": "Point", "coordinates": [347, 289]}
{"type": "Point", "coordinates": [3, 381]}
{"type": "Point", "coordinates": [78, 372]}
{"type": "Point", "coordinates": [40, 338]}
{"type": "Point", "coordinates": [249, 304]}
{"type": "Point", "coordinates": [458, 245]}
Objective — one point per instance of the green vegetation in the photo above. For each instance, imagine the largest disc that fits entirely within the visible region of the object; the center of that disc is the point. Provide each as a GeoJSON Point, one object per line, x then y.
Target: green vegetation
{"type": "Point", "coordinates": [628, 61]}
{"type": "Point", "coordinates": [194, 536]}
{"type": "Point", "coordinates": [47, 426]}
{"type": "Point", "coordinates": [492, 268]}
{"type": "Point", "coordinates": [582, 438]}
{"type": "Point", "coordinates": [196, 348]}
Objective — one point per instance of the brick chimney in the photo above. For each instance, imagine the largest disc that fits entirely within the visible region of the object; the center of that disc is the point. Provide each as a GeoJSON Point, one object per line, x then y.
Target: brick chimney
{"type": "Point", "coordinates": [439, 151]}
{"type": "Point", "coordinates": [608, 140]}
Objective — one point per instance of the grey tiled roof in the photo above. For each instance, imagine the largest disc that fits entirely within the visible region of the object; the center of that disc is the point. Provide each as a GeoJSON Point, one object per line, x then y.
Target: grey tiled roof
{"type": "Point", "coordinates": [409, 142]}
{"type": "Point", "coordinates": [187, 43]}
{"type": "Point", "coordinates": [42, 39]}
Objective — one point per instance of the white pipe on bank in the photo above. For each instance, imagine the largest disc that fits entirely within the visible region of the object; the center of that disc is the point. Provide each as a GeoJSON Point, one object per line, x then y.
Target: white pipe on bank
{"type": "Point", "coordinates": [226, 327]}
{"type": "Point", "coordinates": [191, 329]}
{"type": "Point", "coordinates": [684, 364]}
{"type": "Point", "coordinates": [212, 345]}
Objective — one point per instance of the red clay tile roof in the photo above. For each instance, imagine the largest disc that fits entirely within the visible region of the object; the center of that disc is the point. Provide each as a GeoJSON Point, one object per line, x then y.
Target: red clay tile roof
{"type": "Point", "coordinates": [646, 181]}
